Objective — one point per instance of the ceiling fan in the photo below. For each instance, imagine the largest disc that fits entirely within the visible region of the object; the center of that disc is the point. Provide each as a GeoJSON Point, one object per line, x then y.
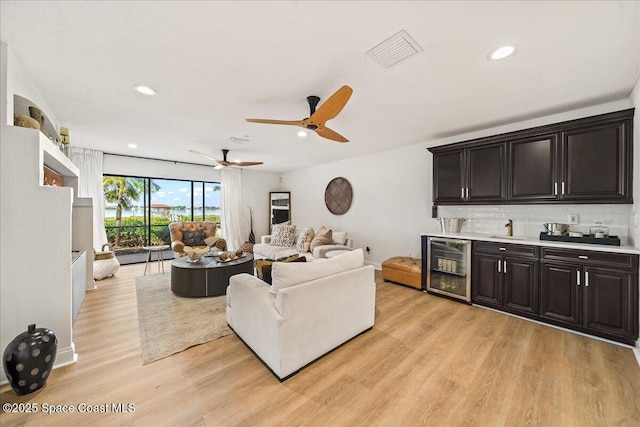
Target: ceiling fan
{"type": "Point", "coordinates": [224, 163]}
{"type": "Point", "coordinates": [316, 120]}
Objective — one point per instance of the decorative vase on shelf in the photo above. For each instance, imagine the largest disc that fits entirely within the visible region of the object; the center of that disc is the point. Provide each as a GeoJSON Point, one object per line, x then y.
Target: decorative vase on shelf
{"type": "Point", "coordinates": [28, 359]}
{"type": "Point", "coordinates": [37, 114]}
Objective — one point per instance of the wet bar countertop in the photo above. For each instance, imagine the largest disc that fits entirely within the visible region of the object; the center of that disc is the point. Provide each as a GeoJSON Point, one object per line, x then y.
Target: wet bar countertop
{"type": "Point", "coordinates": [525, 240]}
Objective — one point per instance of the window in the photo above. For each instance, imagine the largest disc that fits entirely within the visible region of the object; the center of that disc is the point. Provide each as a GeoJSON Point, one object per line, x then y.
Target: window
{"type": "Point", "coordinates": [138, 210]}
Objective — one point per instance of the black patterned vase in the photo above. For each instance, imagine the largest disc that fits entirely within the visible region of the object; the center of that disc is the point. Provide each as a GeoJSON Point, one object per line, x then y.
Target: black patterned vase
{"type": "Point", "coordinates": [252, 237]}
{"type": "Point", "coordinates": [28, 359]}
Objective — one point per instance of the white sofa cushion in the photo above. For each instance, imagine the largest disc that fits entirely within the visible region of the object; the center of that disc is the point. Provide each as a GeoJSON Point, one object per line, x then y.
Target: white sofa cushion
{"type": "Point", "coordinates": [261, 250]}
{"type": "Point", "coordinates": [285, 275]}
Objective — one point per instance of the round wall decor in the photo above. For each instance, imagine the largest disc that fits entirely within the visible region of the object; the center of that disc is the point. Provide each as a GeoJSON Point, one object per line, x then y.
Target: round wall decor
{"type": "Point", "coordinates": [338, 196]}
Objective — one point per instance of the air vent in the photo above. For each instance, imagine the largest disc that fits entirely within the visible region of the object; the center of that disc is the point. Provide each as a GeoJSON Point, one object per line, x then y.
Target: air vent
{"type": "Point", "coordinates": [237, 139]}
{"type": "Point", "coordinates": [395, 49]}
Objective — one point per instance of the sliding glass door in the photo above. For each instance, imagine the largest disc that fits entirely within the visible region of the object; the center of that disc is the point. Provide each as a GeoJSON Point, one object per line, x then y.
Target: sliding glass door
{"type": "Point", "coordinates": [138, 210]}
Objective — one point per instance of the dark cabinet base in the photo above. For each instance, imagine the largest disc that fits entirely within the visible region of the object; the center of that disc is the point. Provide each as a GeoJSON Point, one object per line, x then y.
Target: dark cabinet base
{"type": "Point", "coordinates": [592, 292]}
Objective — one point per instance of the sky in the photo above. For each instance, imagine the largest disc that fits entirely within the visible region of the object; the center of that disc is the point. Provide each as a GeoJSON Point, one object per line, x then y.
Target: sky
{"type": "Point", "coordinates": [178, 193]}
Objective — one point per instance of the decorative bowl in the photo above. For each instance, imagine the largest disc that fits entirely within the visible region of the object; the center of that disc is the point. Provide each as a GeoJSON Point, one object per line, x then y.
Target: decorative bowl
{"type": "Point", "coordinates": [195, 254]}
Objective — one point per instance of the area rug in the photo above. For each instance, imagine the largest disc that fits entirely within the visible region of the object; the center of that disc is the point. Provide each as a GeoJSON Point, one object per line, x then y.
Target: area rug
{"type": "Point", "coordinates": [170, 324]}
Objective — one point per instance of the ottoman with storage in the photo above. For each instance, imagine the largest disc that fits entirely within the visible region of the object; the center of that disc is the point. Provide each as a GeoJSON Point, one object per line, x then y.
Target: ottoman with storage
{"type": "Point", "coordinates": [403, 270]}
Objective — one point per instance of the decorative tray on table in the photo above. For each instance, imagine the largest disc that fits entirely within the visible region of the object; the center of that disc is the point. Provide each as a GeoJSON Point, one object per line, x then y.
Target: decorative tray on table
{"type": "Point", "coordinates": [587, 238]}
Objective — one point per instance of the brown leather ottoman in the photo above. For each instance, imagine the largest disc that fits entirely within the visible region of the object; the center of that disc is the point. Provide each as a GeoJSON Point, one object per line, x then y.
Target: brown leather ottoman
{"type": "Point", "coordinates": [403, 270]}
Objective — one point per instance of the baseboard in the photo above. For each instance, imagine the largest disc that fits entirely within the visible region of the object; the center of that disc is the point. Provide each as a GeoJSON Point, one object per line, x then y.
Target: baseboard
{"type": "Point", "coordinates": [376, 265]}
{"type": "Point", "coordinates": [635, 349]}
{"type": "Point", "coordinates": [64, 357]}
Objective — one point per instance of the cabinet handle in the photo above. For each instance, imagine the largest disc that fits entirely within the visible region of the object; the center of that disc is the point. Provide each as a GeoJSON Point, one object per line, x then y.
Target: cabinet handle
{"type": "Point", "coordinates": [503, 249]}
{"type": "Point", "coordinates": [578, 278]}
{"type": "Point", "coordinates": [467, 193]}
{"type": "Point", "coordinates": [586, 278]}
{"type": "Point", "coordinates": [583, 257]}
{"type": "Point", "coordinates": [555, 188]}
{"type": "Point", "coordinates": [462, 193]}
{"type": "Point", "coordinates": [499, 267]}
{"type": "Point", "coordinates": [563, 188]}
{"type": "Point", "coordinates": [505, 267]}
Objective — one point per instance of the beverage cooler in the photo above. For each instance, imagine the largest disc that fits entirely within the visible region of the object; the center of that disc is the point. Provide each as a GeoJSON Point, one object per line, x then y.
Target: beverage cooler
{"type": "Point", "coordinates": [448, 267]}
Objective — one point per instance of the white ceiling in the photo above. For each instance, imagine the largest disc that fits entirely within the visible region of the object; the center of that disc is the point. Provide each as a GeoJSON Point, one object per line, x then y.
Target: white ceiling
{"type": "Point", "coordinates": [216, 63]}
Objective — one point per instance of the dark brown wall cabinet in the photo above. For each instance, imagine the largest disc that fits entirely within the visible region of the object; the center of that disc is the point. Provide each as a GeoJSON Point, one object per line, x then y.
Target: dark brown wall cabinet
{"type": "Point", "coordinates": [593, 292]}
{"type": "Point", "coordinates": [505, 277]}
{"type": "Point", "coordinates": [473, 174]}
{"type": "Point", "coordinates": [580, 161]}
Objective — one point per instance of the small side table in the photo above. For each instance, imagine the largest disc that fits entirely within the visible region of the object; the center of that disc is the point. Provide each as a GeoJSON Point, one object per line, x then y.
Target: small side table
{"type": "Point", "coordinates": [159, 258]}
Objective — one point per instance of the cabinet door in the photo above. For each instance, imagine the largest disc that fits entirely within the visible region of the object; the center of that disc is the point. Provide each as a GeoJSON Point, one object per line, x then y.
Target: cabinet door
{"type": "Point", "coordinates": [560, 293]}
{"type": "Point", "coordinates": [448, 177]}
{"type": "Point", "coordinates": [609, 299]}
{"type": "Point", "coordinates": [486, 173]}
{"type": "Point", "coordinates": [486, 280]}
{"type": "Point", "coordinates": [532, 169]}
{"type": "Point", "coordinates": [596, 163]}
{"type": "Point", "coordinates": [521, 285]}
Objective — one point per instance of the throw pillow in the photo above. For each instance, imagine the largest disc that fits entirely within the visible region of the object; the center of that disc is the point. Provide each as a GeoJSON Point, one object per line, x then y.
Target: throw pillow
{"type": "Point", "coordinates": [283, 235]}
{"type": "Point", "coordinates": [304, 239]}
{"type": "Point", "coordinates": [339, 237]}
{"type": "Point", "coordinates": [193, 237]}
{"type": "Point", "coordinates": [264, 266]}
{"type": "Point", "coordinates": [322, 237]}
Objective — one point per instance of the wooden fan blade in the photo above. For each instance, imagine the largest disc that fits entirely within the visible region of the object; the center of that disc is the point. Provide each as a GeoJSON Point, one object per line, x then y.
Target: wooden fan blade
{"type": "Point", "coordinates": [220, 162]}
{"type": "Point", "coordinates": [331, 134]}
{"type": "Point", "coordinates": [332, 106]}
{"type": "Point", "coordinates": [277, 122]}
{"type": "Point", "coordinates": [246, 163]}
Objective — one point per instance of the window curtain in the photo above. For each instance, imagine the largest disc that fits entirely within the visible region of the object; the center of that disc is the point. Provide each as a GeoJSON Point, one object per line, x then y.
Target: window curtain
{"type": "Point", "coordinates": [89, 163]}
{"type": "Point", "coordinates": [232, 223]}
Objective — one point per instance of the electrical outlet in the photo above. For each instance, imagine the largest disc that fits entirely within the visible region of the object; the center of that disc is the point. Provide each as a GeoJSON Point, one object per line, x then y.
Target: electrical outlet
{"type": "Point", "coordinates": [574, 219]}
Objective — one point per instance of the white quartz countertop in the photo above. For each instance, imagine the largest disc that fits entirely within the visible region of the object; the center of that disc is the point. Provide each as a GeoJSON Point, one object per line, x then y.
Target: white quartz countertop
{"type": "Point", "coordinates": [523, 240]}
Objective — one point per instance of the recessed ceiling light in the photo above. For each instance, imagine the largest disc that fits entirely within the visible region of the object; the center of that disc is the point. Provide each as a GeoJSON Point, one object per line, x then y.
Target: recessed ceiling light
{"type": "Point", "coordinates": [302, 133]}
{"type": "Point", "coordinates": [145, 90]}
{"type": "Point", "coordinates": [132, 146]}
{"type": "Point", "coordinates": [501, 52]}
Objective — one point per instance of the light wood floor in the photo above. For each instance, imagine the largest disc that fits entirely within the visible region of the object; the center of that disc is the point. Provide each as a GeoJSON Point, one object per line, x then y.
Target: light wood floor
{"type": "Point", "coordinates": [427, 361]}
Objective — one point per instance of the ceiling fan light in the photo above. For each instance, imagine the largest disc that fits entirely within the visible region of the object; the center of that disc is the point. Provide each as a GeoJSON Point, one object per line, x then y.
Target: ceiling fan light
{"type": "Point", "coordinates": [501, 52]}
{"type": "Point", "coordinates": [302, 133]}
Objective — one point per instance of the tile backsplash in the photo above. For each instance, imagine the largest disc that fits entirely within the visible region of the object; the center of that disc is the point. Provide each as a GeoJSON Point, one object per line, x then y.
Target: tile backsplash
{"type": "Point", "coordinates": [528, 219]}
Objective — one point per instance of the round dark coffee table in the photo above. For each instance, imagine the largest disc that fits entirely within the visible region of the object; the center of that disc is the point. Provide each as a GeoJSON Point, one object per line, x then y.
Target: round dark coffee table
{"type": "Point", "coordinates": [208, 277]}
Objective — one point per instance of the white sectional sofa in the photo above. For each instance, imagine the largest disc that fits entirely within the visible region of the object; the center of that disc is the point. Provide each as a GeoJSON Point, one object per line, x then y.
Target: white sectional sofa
{"type": "Point", "coordinates": [310, 309]}
{"type": "Point", "coordinates": [265, 250]}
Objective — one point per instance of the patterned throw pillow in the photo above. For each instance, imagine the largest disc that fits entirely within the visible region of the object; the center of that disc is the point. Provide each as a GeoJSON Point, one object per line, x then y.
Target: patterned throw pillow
{"type": "Point", "coordinates": [283, 235]}
{"type": "Point", "coordinates": [193, 237]}
{"type": "Point", "coordinates": [263, 266]}
{"type": "Point", "coordinates": [304, 239]}
{"type": "Point", "coordinates": [322, 237]}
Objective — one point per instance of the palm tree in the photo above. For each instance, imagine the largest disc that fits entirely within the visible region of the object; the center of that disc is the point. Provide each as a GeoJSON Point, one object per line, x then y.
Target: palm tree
{"type": "Point", "coordinates": [123, 191]}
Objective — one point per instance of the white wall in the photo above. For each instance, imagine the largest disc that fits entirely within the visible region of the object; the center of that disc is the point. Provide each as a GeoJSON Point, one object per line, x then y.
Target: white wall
{"type": "Point", "coordinates": [634, 221]}
{"type": "Point", "coordinates": [392, 196]}
{"type": "Point", "coordinates": [18, 82]}
{"type": "Point", "coordinates": [256, 185]}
